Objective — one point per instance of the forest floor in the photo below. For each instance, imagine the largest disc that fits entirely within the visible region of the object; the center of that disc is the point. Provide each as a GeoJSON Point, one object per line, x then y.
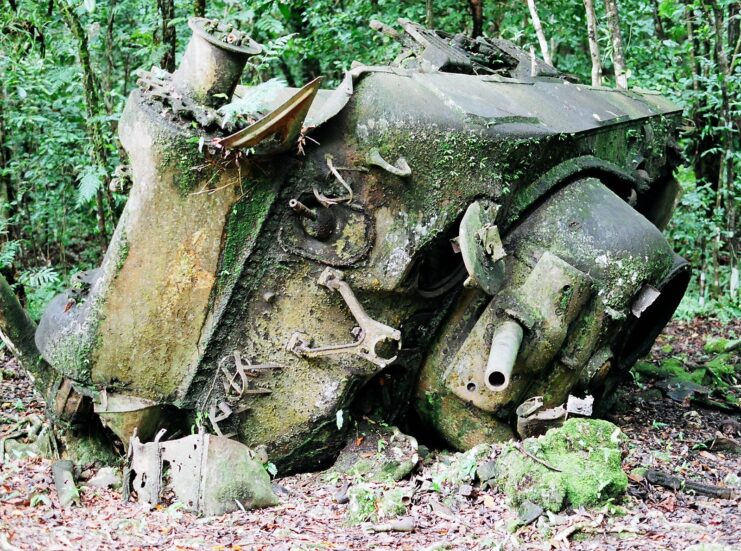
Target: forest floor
{"type": "Point", "coordinates": [676, 437]}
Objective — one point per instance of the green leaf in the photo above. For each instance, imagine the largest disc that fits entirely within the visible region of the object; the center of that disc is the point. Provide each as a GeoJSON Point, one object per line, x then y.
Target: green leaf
{"type": "Point", "coordinates": [89, 5]}
{"type": "Point", "coordinates": [8, 252]}
{"type": "Point", "coordinates": [285, 10]}
{"type": "Point", "coordinates": [38, 278]}
{"type": "Point", "coordinates": [40, 499]}
{"type": "Point", "coordinates": [90, 182]}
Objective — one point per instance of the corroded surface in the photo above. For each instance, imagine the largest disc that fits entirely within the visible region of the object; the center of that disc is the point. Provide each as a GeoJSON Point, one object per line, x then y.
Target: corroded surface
{"type": "Point", "coordinates": [223, 251]}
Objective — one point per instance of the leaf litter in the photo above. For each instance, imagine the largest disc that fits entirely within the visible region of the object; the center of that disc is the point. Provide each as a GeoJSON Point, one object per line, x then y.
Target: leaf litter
{"type": "Point", "coordinates": [447, 507]}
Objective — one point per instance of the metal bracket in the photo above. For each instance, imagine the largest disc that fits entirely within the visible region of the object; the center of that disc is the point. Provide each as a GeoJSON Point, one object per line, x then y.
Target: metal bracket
{"type": "Point", "coordinates": [370, 332]}
{"type": "Point", "coordinates": [402, 168]}
{"type": "Point", "coordinates": [481, 247]}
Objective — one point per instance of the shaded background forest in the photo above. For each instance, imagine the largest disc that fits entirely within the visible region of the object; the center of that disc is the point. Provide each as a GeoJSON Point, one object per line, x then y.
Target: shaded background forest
{"type": "Point", "coordinates": [66, 67]}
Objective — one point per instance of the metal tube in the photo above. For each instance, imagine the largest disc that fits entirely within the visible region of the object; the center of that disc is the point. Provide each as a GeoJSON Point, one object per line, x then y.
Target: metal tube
{"type": "Point", "coordinates": [505, 344]}
{"type": "Point", "coordinates": [302, 210]}
{"type": "Point", "coordinates": [210, 69]}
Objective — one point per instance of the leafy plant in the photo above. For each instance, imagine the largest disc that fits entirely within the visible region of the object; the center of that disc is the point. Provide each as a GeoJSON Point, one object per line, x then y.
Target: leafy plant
{"type": "Point", "coordinates": [41, 284]}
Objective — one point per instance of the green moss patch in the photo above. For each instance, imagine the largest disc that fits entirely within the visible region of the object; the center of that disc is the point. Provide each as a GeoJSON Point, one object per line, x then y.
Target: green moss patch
{"type": "Point", "coordinates": [584, 467]}
{"type": "Point", "coordinates": [669, 368]}
{"type": "Point", "coordinates": [373, 502]}
{"type": "Point", "coordinates": [717, 377]}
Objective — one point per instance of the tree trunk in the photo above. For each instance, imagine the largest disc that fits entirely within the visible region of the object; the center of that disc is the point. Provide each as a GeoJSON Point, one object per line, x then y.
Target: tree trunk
{"type": "Point", "coordinates": [108, 88]}
{"type": "Point", "coordinates": [110, 62]}
{"type": "Point", "coordinates": [705, 162]}
{"type": "Point", "coordinates": [429, 14]}
{"type": "Point", "coordinates": [539, 32]}
{"type": "Point", "coordinates": [287, 73]}
{"type": "Point", "coordinates": [17, 331]}
{"type": "Point", "coordinates": [310, 68]}
{"type": "Point", "coordinates": [5, 152]}
{"type": "Point", "coordinates": [658, 24]}
{"type": "Point", "coordinates": [618, 58]}
{"type": "Point", "coordinates": [593, 44]}
{"type": "Point", "coordinates": [167, 11]}
{"type": "Point", "coordinates": [724, 192]}
{"type": "Point", "coordinates": [690, 24]}
{"type": "Point", "coordinates": [477, 14]}
{"type": "Point", "coordinates": [92, 107]}
{"type": "Point", "coordinates": [496, 18]}
{"type": "Point", "coordinates": [199, 8]}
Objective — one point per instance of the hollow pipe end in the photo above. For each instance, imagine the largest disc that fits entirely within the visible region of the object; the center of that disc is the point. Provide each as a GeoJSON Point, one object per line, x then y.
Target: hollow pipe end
{"type": "Point", "coordinates": [198, 26]}
{"type": "Point", "coordinates": [497, 381]}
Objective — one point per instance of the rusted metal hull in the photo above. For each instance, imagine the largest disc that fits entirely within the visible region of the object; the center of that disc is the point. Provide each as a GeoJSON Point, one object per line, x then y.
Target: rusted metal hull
{"type": "Point", "coordinates": [277, 292]}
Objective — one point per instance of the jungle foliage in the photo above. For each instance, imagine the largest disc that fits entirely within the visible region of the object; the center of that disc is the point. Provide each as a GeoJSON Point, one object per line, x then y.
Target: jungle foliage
{"type": "Point", "coordinates": [66, 67]}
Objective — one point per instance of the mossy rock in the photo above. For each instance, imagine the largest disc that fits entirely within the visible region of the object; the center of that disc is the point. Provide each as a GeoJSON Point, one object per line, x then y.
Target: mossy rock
{"type": "Point", "coordinates": [587, 452]}
{"type": "Point", "coordinates": [93, 449]}
{"type": "Point", "coordinates": [669, 368]}
{"type": "Point", "coordinates": [382, 454]}
{"type": "Point", "coordinates": [452, 471]}
{"type": "Point", "coordinates": [374, 502]}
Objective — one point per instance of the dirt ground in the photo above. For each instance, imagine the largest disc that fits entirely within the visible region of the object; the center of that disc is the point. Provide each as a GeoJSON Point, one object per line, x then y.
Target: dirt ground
{"type": "Point", "coordinates": [676, 437]}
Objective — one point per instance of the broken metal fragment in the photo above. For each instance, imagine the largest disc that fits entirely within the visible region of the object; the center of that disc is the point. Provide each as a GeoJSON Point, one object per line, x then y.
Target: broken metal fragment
{"type": "Point", "coordinates": [279, 130]}
{"type": "Point", "coordinates": [646, 297]}
{"type": "Point", "coordinates": [64, 481]}
{"type": "Point", "coordinates": [235, 385]}
{"type": "Point", "coordinates": [532, 420]}
{"type": "Point", "coordinates": [580, 406]}
{"type": "Point", "coordinates": [481, 247]}
{"type": "Point", "coordinates": [210, 475]}
{"type": "Point", "coordinates": [129, 415]}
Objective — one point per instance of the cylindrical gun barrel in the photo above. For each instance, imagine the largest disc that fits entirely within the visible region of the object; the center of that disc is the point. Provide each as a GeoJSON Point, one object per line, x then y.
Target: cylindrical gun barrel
{"type": "Point", "coordinates": [505, 344]}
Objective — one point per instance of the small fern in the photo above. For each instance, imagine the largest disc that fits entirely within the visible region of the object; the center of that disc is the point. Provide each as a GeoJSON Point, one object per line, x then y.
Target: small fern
{"type": "Point", "coordinates": [8, 252]}
{"type": "Point", "coordinates": [90, 181]}
{"type": "Point", "coordinates": [41, 284]}
{"type": "Point", "coordinates": [38, 278]}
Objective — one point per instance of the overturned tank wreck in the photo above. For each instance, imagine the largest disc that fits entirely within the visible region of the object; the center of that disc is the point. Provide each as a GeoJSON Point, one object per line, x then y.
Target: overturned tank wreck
{"type": "Point", "coordinates": [450, 236]}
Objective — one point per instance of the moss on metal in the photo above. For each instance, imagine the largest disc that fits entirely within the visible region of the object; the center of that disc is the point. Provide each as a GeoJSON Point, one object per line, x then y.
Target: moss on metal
{"type": "Point", "coordinates": [182, 156]}
{"type": "Point", "coordinates": [242, 228]}
{"type": "Point", "coordinates": [201, 265]}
